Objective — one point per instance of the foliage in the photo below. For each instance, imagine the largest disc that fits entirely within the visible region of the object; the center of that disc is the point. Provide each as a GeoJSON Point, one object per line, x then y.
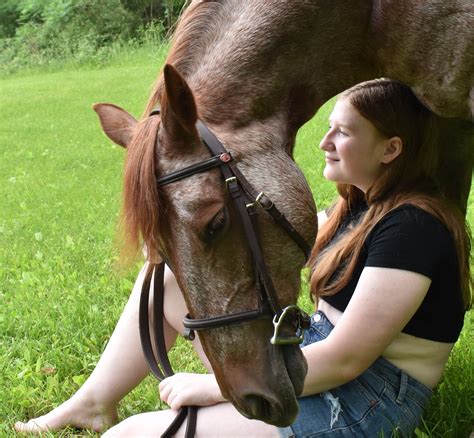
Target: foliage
{"type": "Point", "coordinates": [60, 182]}
{"type": "Point", "coordinates": [150, 11]}
{"type": "Point", "coordinates": [35, 32]}
{"type": "Point", "coordinates": [9, 15]}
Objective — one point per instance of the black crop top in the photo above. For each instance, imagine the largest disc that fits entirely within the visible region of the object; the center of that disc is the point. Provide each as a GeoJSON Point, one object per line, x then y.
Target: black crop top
{"type": "Point", "coordinates": [411, 239]}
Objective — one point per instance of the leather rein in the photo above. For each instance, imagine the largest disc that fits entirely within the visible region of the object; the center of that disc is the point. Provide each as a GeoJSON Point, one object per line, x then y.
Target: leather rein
{"type": "Point", "coordinates": [246, 200]}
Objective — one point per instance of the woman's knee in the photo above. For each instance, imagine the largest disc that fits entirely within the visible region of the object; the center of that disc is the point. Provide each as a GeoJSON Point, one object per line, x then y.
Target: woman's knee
{"type": "Point", "coordinates": [150, 424]}
{"type": "Point", "coordinates": [174, 305]}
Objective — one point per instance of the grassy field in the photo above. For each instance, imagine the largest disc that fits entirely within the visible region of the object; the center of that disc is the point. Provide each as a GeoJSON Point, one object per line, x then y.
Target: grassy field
{"type": "Point", "coordinates": [60, 292]}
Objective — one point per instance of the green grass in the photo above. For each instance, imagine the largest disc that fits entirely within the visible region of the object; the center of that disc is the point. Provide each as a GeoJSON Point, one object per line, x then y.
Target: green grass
{"type": "Point", "coordinates": [60, 185]}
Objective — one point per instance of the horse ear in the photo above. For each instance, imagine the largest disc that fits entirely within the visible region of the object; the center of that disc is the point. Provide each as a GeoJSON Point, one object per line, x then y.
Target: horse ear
{"type": "Point", "coordinates": [116, 123]}
{"type": "Point", "coordinates": [179, 112]}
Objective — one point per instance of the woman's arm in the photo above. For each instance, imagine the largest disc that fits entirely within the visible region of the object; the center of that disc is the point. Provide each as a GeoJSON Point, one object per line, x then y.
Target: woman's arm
{"type": "Point", "coordinates": [383, 302]}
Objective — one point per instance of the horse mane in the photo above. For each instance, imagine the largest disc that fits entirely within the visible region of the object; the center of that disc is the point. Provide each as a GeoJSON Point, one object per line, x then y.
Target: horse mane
{"type": "Point", "coordinates": [193, 33]}
{"type": "Point", "coordinates": [141, 201]}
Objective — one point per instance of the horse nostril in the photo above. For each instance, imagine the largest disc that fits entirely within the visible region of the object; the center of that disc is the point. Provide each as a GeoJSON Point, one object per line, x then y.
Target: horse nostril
{"type": "Point", "coordinates": [259, 407]}
{"type": "Point", "coordinates": [268, 409]}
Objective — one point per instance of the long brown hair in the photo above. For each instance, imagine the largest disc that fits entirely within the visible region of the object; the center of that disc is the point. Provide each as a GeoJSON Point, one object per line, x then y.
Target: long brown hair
{"type": "Point", "coordinates": [409, 179]}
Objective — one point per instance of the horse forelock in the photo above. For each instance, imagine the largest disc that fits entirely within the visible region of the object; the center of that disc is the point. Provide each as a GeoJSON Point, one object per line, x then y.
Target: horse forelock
{"type": "Point", "coordinates": [141, 195]}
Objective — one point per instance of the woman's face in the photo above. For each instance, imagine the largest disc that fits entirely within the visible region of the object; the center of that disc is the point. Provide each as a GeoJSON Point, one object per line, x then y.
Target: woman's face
{"type": "Point", "coordinates": [354, 148]}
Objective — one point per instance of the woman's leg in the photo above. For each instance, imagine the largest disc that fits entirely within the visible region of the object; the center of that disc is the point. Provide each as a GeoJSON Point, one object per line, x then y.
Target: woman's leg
{"type": "Point", "coordinates": [120, 369]}
{"type": "Point", "coordinates": [221, 420]}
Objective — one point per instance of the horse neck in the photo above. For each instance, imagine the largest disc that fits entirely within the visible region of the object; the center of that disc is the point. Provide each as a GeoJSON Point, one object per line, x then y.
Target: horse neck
{"type": "Point", "coordinates": [428, 46]}
{"type": "Point", "coordinates": [285, 61]}
{"type": "Point", "coordinates": [262, 61]}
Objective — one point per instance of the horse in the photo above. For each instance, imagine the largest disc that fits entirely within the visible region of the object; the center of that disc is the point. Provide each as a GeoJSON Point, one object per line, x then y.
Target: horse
{"type": "Point", "coordinates": [254, 72]}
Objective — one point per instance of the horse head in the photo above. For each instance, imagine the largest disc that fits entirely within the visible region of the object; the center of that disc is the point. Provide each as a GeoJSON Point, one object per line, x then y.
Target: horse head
{"type": "Point", "coordinates": [194, 226]}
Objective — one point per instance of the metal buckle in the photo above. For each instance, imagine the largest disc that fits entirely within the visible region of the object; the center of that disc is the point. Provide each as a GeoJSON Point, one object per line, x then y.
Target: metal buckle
{"type": "Point", "coordinates": [230, 180]}
{"type": "Point", "coordinates": [302, 321]}
{"type": "Point", "coordinates": [189, 334]}
{"type": "Point", "coordinates": [258, 200]}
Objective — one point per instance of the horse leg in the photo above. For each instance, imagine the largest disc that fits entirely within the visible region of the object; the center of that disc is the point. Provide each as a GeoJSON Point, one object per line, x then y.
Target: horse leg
{"type": "Point", "coordinates": [456, 160]}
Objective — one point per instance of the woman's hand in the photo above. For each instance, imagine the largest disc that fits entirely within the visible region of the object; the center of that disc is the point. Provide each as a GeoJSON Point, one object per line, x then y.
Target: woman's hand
{"type": "Point", "coordinates": [187, 389]}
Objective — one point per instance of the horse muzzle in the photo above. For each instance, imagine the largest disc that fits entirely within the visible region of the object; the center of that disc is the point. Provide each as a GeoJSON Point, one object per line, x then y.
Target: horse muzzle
{"type": "Point", "coordinates": [269, 394]}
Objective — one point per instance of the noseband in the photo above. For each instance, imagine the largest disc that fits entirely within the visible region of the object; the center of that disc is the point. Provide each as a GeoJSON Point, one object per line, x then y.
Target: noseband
{"type": "Point", "coordinates": [246, 200]}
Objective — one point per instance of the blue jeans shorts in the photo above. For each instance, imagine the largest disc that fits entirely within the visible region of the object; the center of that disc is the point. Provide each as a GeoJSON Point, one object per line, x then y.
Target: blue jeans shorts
{"type": "Point", "coordinates": [383, 401]}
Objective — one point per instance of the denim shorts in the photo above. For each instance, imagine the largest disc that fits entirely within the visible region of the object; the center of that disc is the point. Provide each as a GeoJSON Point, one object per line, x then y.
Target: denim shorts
{"type": "Point", "coordinates": [383, 401]}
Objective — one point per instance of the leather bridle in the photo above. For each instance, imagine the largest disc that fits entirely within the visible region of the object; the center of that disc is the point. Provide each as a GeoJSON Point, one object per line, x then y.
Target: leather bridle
{"type": "Point", "coordinates": [246, 200]}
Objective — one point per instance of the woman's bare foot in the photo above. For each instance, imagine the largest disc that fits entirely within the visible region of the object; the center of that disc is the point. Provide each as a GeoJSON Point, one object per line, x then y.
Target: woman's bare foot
{"type": "Point", "coordinates": [81, 414]}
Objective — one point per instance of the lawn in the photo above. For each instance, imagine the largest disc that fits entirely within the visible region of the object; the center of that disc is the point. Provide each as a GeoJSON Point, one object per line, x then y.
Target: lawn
{"type": "Point", "coordinates": [61, 292]}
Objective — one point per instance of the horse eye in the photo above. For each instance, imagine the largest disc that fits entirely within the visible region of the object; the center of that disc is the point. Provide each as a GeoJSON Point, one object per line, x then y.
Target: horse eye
{"type": "Point", "coordinates": [217, 225]}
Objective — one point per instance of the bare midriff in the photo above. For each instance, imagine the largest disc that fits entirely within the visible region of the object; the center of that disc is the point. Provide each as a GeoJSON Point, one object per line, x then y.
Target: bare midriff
{"type": "Point", "coordinates": [420, 358]}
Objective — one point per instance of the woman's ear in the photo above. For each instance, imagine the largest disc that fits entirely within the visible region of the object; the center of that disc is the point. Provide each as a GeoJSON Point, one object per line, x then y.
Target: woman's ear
{"type": "Point", "coordinates": [393, 148]}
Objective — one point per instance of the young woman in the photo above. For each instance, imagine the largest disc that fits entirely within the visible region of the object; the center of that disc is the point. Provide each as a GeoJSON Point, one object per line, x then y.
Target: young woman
{"type": "Point", "coordinates": [390, 277]}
